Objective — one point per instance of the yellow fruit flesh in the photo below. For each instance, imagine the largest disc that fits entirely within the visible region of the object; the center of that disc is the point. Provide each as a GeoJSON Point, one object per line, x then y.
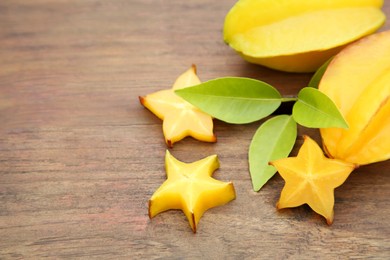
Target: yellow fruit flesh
{"type": "Point", "coordinates": [310, 178]}
{"type": "Point", "coordinates": [191, 188]}
{"type": "Point", "coordinates": [358, 81]}
{"type": "Point", "coordinates": [187, 79]}
{"type": "Point", "coordinates": [277, 33]}
{"type": "Point", "coordinates": [160, 103]}
{"type": "Point", "coordinates": [180, 118]}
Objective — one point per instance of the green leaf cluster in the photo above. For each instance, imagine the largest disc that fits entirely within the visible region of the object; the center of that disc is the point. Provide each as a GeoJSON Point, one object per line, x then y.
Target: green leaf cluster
{"type": "Point", "coordinates": [243, 100]}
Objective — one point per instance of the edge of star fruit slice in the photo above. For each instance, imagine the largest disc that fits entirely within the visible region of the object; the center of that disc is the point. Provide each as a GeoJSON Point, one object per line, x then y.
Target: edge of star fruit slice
{"type": "Point", "coordinates": [180, 118]}
{"type": "Point", "coordinates": [310, 178]}
{"type": "Point", "coordinates": [190, 188]}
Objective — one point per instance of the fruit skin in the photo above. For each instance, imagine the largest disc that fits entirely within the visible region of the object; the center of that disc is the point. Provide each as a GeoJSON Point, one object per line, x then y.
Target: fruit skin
{"type": "Point", "coordinates": [303, 62]}
{"type": "Point", "coordinates": [190, 187]}
{"type": "Point", "coordinates": [358, 82]}
{"type": "Point", "coordinates": [290, 35]}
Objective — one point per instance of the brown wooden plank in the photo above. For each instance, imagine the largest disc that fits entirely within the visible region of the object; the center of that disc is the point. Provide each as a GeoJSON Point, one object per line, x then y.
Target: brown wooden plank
{"type": "Point", "coordinates": [80, 157]}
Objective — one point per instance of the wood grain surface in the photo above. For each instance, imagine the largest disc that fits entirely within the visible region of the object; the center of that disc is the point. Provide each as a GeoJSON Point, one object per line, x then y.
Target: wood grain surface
{"type": "Point", "coordinates": [80, 157]}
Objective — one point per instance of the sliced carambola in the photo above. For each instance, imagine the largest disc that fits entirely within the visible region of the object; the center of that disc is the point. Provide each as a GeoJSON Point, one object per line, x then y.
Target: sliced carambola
{"type": "Point", "coordinates": [180, 118]}
{"type": "Point", "coordinates": [190, 187]}
{"type": "Point", "coordinates": [310, 178]}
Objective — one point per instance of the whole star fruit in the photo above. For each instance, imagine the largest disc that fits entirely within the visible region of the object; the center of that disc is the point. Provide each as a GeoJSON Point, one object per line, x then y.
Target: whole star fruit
{"type": "Point", "coordinates": [180, 118]}
{"type": "Point", "coordinates": [298, 35]}
{"type": "Point", "coordinates": [310, 178]}
{"type": "Point", "coordinates": [358, 82]}
{"type": "Point", "coordinates": [190, 188]}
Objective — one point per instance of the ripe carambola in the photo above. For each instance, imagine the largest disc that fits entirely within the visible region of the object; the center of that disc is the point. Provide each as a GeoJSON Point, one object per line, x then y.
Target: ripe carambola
{"type": "Point", "coordinates": [358, 81]}
{"type": "Point", "coordinates": [298, 35]}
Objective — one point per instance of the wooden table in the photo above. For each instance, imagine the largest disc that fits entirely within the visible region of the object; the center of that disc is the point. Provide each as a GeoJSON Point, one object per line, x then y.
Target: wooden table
{"type": "Point", "coordinates": [80, 157]}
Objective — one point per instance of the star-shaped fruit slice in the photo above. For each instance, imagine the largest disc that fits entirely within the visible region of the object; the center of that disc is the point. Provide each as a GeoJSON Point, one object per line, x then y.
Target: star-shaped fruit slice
{"type": "Point", "coordinates": [180, 118]}
{"type": "Point", "coordinates": [311, 178]}
{"type": "Point", "coordinates": [190, 187]}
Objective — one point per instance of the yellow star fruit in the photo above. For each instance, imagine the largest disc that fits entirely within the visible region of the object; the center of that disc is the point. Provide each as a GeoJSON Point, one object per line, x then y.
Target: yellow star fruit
{"type": "Point", "coordinates": [191, 188]}
{"type": "Point", "coordinates": [358, 82]}
{"type": "Point", "coordinates": [180, 118]}
{"type": "Point", "coordinates": [310, 178]}
{"type": "Point", "coordinates": [298, 35]}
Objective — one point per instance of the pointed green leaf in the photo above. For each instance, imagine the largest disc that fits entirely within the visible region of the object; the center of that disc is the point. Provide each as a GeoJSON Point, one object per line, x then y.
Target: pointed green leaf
{"type": "Point", "coordinates": [273, 140]}
{"type": "Point", "coordinates": [233, 100]}
{"type": "Point", "coordinates": [315, 109]}
{"type": "Point", "coordinates": [315, 80]}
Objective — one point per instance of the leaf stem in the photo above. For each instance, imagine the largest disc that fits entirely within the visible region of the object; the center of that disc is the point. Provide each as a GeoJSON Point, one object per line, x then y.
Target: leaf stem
{"type": "Point", "coordinates": [289, 99]}
{"type": "Point", "coordinates": [286, 106]}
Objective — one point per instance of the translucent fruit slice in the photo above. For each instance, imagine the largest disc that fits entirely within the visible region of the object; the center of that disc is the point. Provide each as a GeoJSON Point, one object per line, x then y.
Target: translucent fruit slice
{"type": "Point", "coordinates": [180, 118]}
{"type": "Point", "coordinates": [298, 35]}
{"type": "Point", "coordinates": [191, 188]}
{"type": "Point", "coordinates": [310, 178]}
{"type": "Point", "coordinates": [358, 81]}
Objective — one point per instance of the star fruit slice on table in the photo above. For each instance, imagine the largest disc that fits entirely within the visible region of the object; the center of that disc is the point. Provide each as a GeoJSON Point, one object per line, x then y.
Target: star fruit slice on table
{"type": "Point", "coordinates": [180, 118]}
{"type": "Point", "coordinates": [311, 178]}
{"type": "Point", "coordinates": [190, 187]}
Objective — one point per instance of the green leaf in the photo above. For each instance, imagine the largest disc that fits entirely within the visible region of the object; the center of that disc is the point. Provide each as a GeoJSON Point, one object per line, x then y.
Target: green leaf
{"type": "Point", "coordinates": [273, 140]}
{"type": "Point", "coordinates": [233, 99]}
{"type": "Point", "coordinates": [315, 80]}
{"type": "Point", "coordinates": [315, 109]}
